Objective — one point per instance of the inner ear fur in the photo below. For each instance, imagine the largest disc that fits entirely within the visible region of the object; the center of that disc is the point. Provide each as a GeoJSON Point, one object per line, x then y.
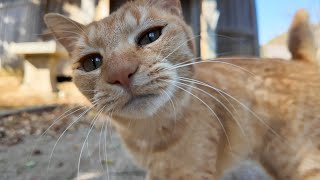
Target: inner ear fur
{"type": "Point", "coordinates": [65, 30]}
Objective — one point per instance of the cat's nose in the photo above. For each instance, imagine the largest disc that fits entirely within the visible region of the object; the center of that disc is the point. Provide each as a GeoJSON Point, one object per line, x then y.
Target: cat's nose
{"type": "Point", "coordinates": [122, 74]}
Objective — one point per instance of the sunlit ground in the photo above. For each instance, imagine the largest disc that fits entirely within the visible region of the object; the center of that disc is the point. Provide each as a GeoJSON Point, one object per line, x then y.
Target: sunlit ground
{"type": "Point", "coordinates": [25, 153]}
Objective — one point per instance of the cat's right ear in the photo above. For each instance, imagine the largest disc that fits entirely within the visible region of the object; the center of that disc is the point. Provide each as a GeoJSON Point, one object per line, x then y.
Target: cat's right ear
{"type": "Point", "coordinates": [65, 30]}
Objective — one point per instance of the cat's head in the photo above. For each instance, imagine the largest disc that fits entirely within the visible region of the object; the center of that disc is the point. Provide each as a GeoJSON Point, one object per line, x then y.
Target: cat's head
{"type": "Point", "coordinates": [126, 61]}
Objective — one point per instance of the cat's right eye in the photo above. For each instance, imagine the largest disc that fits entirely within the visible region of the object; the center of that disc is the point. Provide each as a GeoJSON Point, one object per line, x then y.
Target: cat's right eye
{"type": "Point", "coordinates": [149, 36]}
{"type": "Point", "coordinates": [91, 62]}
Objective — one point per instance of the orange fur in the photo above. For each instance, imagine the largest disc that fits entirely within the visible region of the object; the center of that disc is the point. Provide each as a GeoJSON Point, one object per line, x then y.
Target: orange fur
{"type": "Point", "coordinates": [178, 129]}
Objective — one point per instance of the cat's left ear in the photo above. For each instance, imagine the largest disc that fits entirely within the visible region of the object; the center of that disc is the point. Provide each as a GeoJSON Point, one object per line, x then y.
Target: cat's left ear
{"type": "Point", "coordinates": [66, 31]}
{"type": "Point", "coordinates": [173, 6]}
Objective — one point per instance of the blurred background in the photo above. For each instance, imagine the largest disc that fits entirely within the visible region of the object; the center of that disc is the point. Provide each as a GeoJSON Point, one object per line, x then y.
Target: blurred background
{"type": "Point", "coordinates": [36, 83]}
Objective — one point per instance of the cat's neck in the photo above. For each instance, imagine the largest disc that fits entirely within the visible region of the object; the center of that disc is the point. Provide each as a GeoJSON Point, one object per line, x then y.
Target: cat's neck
{"type": "Point", "coordinates": [156, 132]}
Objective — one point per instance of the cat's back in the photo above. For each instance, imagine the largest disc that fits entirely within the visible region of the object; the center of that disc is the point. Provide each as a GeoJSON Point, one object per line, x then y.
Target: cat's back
{"type": "Point", "coordinates": [269, 83]}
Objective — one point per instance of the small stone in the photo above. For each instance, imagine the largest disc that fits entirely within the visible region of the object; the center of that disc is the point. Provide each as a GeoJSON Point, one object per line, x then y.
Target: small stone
{"type": "Point", "coordinates": [36, 152]}
{"type": "Point", "coordinates": [110, 162]}
{"type": "Point", "coordinates": [107, 162]}
{"type": "Point", "coordinates": [30, 164]}
{"type": "Point", "coordinates": [60, 164]}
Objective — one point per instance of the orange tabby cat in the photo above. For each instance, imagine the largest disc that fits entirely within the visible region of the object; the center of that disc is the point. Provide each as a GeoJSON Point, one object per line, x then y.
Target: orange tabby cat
{"type": "Point", "coordinates": [182, 119]}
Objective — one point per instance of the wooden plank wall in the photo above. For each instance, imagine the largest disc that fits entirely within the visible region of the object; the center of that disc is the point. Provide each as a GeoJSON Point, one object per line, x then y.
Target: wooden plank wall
{"type": "Point", "coordinates": [22, 20]}
{"type": "Point", "coordinates": [15, 23]}
{"type": "Point", "coordinates": [191, 13]}
{"type": "Point", "coordinates": [238, 22]}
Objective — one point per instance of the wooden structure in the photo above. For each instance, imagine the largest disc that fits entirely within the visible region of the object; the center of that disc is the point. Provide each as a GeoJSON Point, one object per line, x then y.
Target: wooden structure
{"type": "Point", "coordinates": [40, 65]}
{"type": "Point", "coordinates": [15, 25]}
{"type": "Point", "coordinates": [237, 28]}
{"type": "Point", "coordinates": [237, 20]}
{"type": "Point", "coordinates": [21, 21]}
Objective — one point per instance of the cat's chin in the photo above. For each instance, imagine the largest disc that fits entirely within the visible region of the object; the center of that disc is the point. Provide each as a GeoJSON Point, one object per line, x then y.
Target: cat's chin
{"type": "Point", "coordinates": [140, 100]}
{"type": "Point", "coordinates": [143, 106]}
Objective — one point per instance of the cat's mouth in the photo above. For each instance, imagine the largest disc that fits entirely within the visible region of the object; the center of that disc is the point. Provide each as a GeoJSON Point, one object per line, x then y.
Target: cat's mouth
{"type": "Point", "coordinates": [139, 100]}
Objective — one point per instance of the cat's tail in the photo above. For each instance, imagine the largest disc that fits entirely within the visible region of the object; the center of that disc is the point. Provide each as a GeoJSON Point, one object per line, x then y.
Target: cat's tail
{"type": "Point", "coordinates": [301, 41]}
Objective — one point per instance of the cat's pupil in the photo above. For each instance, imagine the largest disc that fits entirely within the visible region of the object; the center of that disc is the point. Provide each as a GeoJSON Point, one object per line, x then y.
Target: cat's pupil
{"type": "Point", "coordinates": [152, 36]}
{"type": "Point", "coordinates": [91, 62]}
{"type": "Point", "coordinates": [149, 37]}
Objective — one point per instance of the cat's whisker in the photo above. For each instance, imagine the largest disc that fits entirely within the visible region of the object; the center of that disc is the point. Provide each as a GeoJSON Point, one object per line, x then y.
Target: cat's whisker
{"type": "Point", "coordinates": [195, 37]}
{"type": "Point", "coordinates": [100, 138]}
{"type": "Point", "coordinates": [106, 160]}
{"type": "Point", "coordinates": [241, 104]}
{"type": "Point", "coordinates": [174, 109]}
{"type": "Point", "coordinates": [162, 50]}
{"type": "Point", "coordinates": [62, 116]}
{"type": "Point", "coordinates": [70, 125]}
{"type": "Point", "coordinates": [105, 146]}
{"type": "Point", "coordinates": [222, 95]}
{"type": "Point", "coordinates": [216, 99]}
{"type": "Point", "coordinates": [94, 121]}
{"type": "Point", "coordinates": [211, 61]}
{"type": "Point", "coordinates": [204, 103]}
{"type": "Point", "coordinates": [184, 62]}
{"type": "Point", "coordinates": [87, 143]}
{"type": "Point", "coordinates": [182, 44]}
{"type": "Point", "coordinates": [235, 110]}
{"type": "Point", "coordinates": [223, 36]}
{"type": "Point", "coordinates": [103, 132]}
{"type": "Point", "coordinates": [110, 126]}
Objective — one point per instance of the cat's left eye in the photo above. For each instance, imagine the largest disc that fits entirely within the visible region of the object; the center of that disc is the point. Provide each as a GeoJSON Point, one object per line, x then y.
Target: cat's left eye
{"type": "Point", "coordinates": [91, 62]}
{"type": "Point", "coordinates": [149, 37]}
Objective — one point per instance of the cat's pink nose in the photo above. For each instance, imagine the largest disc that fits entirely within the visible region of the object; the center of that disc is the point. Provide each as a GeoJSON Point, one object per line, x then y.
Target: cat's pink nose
{"type": "Point", "coordinates": [122, 73]}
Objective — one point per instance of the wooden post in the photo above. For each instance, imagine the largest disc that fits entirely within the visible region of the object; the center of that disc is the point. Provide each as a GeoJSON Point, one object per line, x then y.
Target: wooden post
{"type": "Point", "coordinates": [195, 8]}
{"type": "Point", "coordinates": [102, 10]}
{"type": "Point", "coordinates": [255, 28]}
{"type": "Point", "coordinates": [88, 8]}
{"type": "Point", "coordinates": [53, 61]}
{"type": "Point", "coordinates": [238, 23]}
{"type": "Point", "coordinates": [209, 20]}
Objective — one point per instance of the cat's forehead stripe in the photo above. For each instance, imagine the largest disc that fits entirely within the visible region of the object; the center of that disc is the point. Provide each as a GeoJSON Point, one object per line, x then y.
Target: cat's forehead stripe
{"type": "Point", "coordinates": [92, 32]}
{"type": "Point", "coordinates": [130, 20]}
{"type": "Point", "coordinates": [143, 13]}
{"type": "Point", "coordinates": [136, 13]}
{"type": "Point", "coordinates": [136, 16]}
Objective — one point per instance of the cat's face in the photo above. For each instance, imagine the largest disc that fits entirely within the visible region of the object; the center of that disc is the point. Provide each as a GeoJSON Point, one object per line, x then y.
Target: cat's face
{"type": "Point", "coordinates": [126, 61]}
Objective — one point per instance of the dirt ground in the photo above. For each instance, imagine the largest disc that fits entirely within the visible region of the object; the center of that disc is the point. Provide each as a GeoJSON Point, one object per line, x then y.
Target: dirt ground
{"type": "Point", "coordinates": [25, 152]}
{"type": "Point", "coordinates": [13, 94]}
{"type": "Point", "coordinates": [24, 162]}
